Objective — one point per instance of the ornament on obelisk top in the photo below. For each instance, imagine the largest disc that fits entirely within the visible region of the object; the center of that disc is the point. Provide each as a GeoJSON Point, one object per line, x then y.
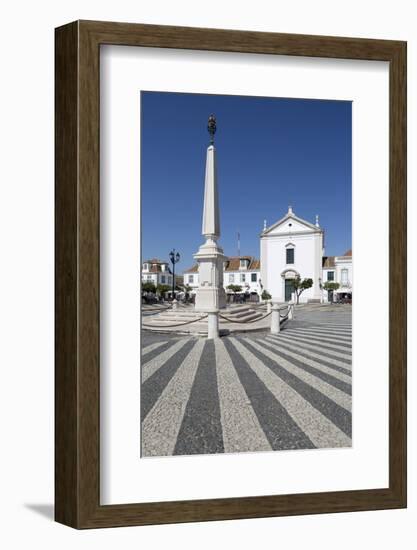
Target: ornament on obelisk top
{"type": "Point", "coordinates": [211, 127]}
{"type": "Point", "coordinates": [210, 296]}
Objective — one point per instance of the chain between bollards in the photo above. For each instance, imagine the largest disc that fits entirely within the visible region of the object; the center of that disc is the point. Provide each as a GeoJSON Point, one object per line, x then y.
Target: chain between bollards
{"type": "Point", "coordinates": [176, 325]}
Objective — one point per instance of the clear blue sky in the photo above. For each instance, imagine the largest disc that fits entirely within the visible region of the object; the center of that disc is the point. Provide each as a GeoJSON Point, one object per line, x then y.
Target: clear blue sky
{"type": "Point", "coordinates": [271, 152]}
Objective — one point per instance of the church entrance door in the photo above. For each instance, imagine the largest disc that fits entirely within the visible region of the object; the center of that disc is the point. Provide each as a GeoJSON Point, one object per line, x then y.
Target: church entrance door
{"type": "Point", "coordinates": [289, 289]}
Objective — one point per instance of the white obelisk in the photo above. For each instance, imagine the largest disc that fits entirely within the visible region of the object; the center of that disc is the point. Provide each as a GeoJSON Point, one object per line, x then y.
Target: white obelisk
{"type": "Point", "coordinates": [210, 296]}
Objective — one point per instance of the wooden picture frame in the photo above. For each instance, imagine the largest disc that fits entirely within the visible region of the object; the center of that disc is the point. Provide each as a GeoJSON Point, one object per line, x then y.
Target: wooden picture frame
{"type": "Point", "coordinates": [77, 405]}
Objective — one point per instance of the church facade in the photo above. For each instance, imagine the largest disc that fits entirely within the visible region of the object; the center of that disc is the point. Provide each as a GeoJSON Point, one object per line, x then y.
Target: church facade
{"type": "Point", "coordinates": [292, 247]}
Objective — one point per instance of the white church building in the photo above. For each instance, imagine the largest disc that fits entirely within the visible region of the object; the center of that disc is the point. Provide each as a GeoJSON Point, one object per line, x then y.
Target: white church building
{"type": "Point", "coordinates": [293, 247]}
{"type": "Point", "coordinates": [289, 248]}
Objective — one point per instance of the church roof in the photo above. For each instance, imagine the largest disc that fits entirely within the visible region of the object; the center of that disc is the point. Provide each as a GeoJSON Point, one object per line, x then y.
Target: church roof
{"type": "Point", "coordinates": [291, 216]}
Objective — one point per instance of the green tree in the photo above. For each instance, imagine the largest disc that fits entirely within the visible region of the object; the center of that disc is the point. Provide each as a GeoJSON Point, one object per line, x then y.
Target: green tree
{"type": "Point", "coordinates": [330, 285]}
{"type": "Point", "coordinates": [161, 289]}
{"type": "Point", "coordinates": [187, 290]}
{"type": "Point", "coordinates": [148, 287]}
{"type": "Point", "coordinates": [301, 285]}
{"type": "Point", "coordinates": [235, 288]}
{"type": "Point", "coordinates": [266, 295]}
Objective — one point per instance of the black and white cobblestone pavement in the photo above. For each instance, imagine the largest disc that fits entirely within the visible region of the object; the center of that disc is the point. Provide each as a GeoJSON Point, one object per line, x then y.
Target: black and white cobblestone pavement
{"type": "Point", "coordinates": [250, 392]}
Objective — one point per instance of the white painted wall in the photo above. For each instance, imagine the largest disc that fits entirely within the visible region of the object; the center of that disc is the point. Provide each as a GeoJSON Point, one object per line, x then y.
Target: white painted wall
{"type": "Point", "coordinates": [307, 262]}
{"type": "Point", "coordinates": [345, 281]}
{"type": "Point", "coordinates": [150, 277]}
{"type": "Point", "coordinates": [247, 284]}
{"type": "Point", "coordinates": [157, 278]}
{"type": "Point", "coordinates": [27, 305]}
{"type": "Point", "coordinates": [191, 279]}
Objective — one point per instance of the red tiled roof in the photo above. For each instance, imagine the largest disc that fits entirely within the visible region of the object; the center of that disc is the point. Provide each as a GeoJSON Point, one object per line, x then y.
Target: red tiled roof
{"type": "Point", "coordinates": [348, 252]}
{"type": "Point", "coordinates": [157, 269]}
{"type": "Point", "coordinates": [155, 266]}
{"type": "Point", "coordinates": [233, 263]}
{"type": "Point", "coordinates": [154, 261]}
{"type": "Point", "coordinates": [328, 261]}
{"type": "Point", "coordinates": [192, 269]}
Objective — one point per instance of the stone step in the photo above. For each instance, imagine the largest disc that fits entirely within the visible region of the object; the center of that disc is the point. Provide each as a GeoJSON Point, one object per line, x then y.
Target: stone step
{"type": "Point", "coordinates": [242, 318]}
{"type": "Point", "coordinates": [232, 308]}
{"type": "Point", "coordinates": [239, 314]}
{"type": "Point", "coordinates": [169, 316]}
{"type": "Point", "coordinates": [168, 324]}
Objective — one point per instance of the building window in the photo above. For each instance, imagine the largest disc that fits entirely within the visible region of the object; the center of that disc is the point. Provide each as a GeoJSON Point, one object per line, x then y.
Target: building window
{"type": "Point", "coordinates": [191, 278]}
{"type": "Point", "coordinates": [145, 267]}
{"type": "Point", "coordinates": [231, 278]}
{"type": "Point", "coordinates": [330, 275]}
{"type": "Point", "coordinates": [290, 255]}
{"type": "Point", "coordinates": [163, 279]}
{"type": "Point", "coordinates": [344, 276]}
{"type": "Point", "coordinates": [253, 277]}
{"type": "Point", "coordinates": [149, 277]}
{"type": "Point", "coordinates": [243, 264]}
{"type": "Point", "coordinates": [242, 277]}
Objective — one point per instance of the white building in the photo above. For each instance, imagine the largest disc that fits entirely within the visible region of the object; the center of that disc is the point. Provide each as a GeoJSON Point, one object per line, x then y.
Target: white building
{"type": "Point", "coordinates": [338, 269]}
{"type": "Point", "coordinates": [157, 272]}
{"type": "Point", "coordinates": [243, 271]}
{"type": "Point", "coordinates": [292, 247]}
{"type": "Point", "coordinates": [191, 277]}
{"type": "Point", "coordinates": [237, 270]}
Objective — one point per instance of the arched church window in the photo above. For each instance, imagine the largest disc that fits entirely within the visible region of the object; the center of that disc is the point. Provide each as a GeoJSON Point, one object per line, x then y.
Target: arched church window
{"type": "Point", "coordinates": [289, 254]}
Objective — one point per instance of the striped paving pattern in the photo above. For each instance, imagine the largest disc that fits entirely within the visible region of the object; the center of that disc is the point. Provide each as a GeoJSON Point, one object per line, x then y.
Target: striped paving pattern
{"type": "Point", "coordinates": [247, 393]}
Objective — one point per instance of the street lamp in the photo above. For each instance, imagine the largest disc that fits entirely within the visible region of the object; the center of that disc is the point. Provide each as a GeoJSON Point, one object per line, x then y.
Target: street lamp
{"type": "Point", "coordinates": [175, 258]}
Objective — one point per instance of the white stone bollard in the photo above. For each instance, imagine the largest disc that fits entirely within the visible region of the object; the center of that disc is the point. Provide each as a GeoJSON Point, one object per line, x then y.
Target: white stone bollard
{"type": "Point", "coordinates": [275, 321]}
{"type": "Point", "coordinates": [213, 325]}
{"type": "Point", "coordinates": [174, 304]}
{"type": "Point", "coordinates": [290, 311]}
{"type": "Point", "coordinates": [268, 307]}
